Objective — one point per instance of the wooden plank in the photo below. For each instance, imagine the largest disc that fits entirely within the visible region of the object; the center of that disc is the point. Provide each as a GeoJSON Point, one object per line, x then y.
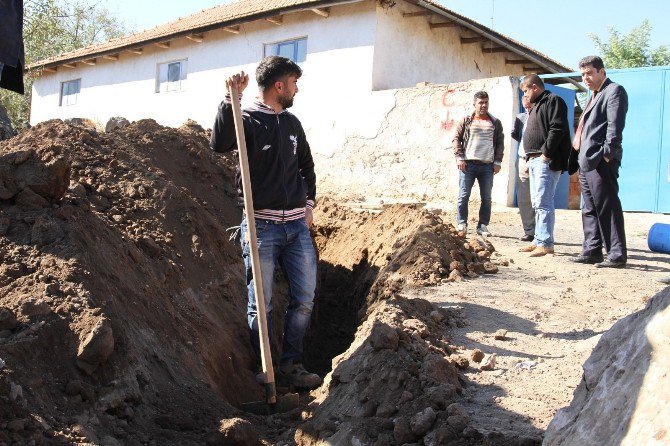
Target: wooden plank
{"type": "Point", "coordinates": [515, 62]}
{"type": "Point", "coordinates": [90, 61]}
{"type": "Point", "coordinates": [111, 56]}
{"type": "Point", "coordinates": [323, 12]}
{"type": "Point", "coordinates": [70, 65]}
{"type": "Point", "coordinates": [473, 39]}
{"type": "Point", "coordinates": [196, 37]}
{"type": "Point", "coordinates": [416, 14]}
{"type": "Point", "coordinates": [442, 25]}
{"type": "Point", "coordinates": [136, 51]}
{"type": "Point", "coordinates": [51, 69]}
{"type": "Point", "coordinates": [164, 45]}
{"type": "Point", "coordinates": [232, 29]}
{"type": "Point", "coordinates": [277, 20]}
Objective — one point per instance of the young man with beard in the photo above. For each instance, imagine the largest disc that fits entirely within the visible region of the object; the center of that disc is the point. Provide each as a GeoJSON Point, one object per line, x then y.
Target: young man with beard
{"type": "Point", "coordinates": [283, 186]}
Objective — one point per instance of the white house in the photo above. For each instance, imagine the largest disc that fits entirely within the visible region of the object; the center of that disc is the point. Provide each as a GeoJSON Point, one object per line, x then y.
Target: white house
{"type": "Point", "coordinates": [356, 54]}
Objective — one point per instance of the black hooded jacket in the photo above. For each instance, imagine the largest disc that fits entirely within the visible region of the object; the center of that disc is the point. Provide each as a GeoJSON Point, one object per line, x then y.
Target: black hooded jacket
{"type": "Point", "coordinates": [280, 160]}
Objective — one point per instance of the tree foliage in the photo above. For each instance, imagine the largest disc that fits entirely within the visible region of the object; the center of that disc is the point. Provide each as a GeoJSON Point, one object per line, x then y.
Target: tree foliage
{"type": "Point", "coordinates": [53, 27]}
{"type": "Point", "coordinates": [632, 49]}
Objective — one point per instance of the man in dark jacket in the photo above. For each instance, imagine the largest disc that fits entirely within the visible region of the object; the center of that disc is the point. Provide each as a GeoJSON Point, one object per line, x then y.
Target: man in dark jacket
{"type": "Point", "coordinates": [12, 59]}
{"type": "Point", "coordinates": [598, 140]}
{"type": "Point", "coordinates": [283, 187]}
{"type": "Point", "coordinates": [478, 147]}
{"type": "Point", "coordinates": [546, 142]}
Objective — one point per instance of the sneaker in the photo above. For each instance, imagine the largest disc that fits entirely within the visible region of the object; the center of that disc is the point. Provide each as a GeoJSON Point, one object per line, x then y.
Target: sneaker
{"type": "Point", "coordinates": [296, 375]}
{"type": "Point", "coordinates": [528, 248]}
{"type": "Point", "coordinates": [483, 231]}
{"type": "Point", "coordinates": [462, 227]}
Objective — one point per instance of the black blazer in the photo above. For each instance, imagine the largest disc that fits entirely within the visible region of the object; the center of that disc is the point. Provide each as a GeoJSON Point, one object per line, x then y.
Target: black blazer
{"type": "Point", "coordinates": [603, 126]}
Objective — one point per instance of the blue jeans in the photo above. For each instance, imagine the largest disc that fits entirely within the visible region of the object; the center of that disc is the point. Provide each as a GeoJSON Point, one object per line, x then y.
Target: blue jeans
{"type": "Point", "coordinates": [290, 245]}
{"type": "Point", "coordinates": [543, 182]}
{"type": "Point", "coordinates": [483, 173]}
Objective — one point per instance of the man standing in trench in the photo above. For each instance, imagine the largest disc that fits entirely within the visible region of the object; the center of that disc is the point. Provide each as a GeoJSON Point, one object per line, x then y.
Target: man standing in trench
{"type": "Point", "coordinates": [283, 186]}
{"type": "Point", "coordinates": [598, 139]}
{"type": "Point", "coordinates": [478, 147]}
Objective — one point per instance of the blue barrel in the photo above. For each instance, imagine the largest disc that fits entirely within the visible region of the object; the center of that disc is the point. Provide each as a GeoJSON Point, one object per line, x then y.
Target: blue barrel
{"type": "Point", "coordinates": [659, 238]}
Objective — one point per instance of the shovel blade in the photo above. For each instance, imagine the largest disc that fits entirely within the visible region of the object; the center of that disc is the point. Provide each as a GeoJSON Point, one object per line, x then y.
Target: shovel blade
{"type": "Point", "coordinates": [285, 403]}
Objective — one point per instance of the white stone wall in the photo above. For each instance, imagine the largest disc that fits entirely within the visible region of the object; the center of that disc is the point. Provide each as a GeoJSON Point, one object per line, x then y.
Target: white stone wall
{"type": "Point", "coordinates": [408, 51]}
{"type": "Point", "coordinates": [396, 144]}
{"type": "Point", "coordinates": [392, 144]}
{"type": "Point", "coordinates": [126, 87]}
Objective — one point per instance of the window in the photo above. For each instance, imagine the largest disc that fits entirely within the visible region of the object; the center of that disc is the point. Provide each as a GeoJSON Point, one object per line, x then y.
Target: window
{"type": "Point", "coordinates": [171, 76]}
{"type": "Point", "coordinates": [69, 92]}
{"type": "Point", "coordinates": [295, 49]}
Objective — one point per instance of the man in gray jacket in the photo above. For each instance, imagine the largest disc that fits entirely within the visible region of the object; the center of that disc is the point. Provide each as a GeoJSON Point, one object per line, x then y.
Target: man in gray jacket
{"type": "Point", "coordinates": [598, 140]}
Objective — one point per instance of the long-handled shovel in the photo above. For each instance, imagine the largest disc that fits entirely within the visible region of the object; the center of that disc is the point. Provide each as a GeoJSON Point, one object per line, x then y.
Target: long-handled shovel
{"type": "Point", "coordinates": [272, 403]}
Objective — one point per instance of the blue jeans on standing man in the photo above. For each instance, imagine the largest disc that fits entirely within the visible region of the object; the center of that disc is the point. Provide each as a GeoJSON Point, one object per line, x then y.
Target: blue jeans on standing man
{"type": "Point", "coordinates": [483, 173]}
{"type": "Point", "coordinates": [543, 182]}
{"type": "Point", "coordinates": [288, 244]}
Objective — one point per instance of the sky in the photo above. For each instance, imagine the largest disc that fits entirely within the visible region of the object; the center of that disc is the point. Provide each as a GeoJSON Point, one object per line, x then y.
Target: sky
{"type": "Point", "coordinates": [559, 29]}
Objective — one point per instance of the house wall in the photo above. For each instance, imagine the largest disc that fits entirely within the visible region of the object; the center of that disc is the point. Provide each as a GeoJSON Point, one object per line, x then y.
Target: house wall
{"type": "Point", "coordinates": [396, 144]}
{"type": "Point", "coordinates": [127, 87]}
{"type": "Point", "coordinates": [407, 52]}
{"type": "Point", "coordinates": [393, 144]}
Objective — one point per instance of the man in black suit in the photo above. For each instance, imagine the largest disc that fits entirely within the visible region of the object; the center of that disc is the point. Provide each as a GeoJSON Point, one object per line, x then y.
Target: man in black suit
{"type": "Point", "coordinates": [598, 140]}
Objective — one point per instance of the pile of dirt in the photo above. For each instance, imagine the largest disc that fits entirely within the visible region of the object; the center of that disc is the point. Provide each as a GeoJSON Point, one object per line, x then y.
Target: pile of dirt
{"type": "Point", "coordinates": [123, 301]}
{"type": "Point", "coordinates": [122, 292]}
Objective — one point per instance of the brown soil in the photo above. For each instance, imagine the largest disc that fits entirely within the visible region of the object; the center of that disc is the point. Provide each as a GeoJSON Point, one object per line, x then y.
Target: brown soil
{"type": "Point", "coordinates": [122, 303]}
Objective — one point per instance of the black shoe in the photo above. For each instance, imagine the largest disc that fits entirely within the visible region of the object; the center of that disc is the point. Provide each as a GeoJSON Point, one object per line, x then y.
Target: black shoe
{"type": "Point", "coordinates": [611, 264]}
{"type": "Point", "coordinates": [587, 259]}
{"type": "Point", "coordinates": [526, 238]}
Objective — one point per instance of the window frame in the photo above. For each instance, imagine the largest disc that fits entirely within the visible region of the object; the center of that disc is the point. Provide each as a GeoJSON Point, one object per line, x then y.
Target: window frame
{"type": "Point", "coordinates": [66, 100]}
{"type": "Point", "coordinates": [171, 86]}
{"type": "Point", "coordinates": [272, 48]}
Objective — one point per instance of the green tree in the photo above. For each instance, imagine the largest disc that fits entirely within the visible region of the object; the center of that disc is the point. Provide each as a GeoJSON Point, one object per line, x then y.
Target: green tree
{"type": "Point", "coordinates": [632, 49]}
{"type": "Point", "coordinates": [53, 27]}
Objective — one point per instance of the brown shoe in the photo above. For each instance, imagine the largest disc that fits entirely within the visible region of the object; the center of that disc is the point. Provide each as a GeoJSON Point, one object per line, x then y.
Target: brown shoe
{"type": "Point", "coordinates": [529, 248]}
{"type": "Point", "coordinates": [541, 251]}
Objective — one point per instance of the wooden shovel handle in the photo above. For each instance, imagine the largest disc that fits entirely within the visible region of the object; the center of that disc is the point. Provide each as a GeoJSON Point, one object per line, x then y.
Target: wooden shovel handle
{"type": "Point", "coordinates": [266, 354]}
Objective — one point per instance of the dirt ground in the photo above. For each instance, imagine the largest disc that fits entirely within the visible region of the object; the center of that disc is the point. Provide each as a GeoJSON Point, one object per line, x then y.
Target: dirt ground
{"type": "Point", "coordinates": [554, 312]}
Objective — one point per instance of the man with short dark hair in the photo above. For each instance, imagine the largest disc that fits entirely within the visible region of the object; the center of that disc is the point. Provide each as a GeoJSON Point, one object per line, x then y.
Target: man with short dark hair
{"type": "Point", "coordinates": [478, 147]}
{"type": "Point", "coordinates": [546, 142]}
{"type": "Point", "coordinates": [598, 139]}
{"type": "Point", "coordinates": [283, 186]}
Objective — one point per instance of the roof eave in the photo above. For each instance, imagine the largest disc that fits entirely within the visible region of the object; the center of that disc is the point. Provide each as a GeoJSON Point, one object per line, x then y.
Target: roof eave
{"type": "Point", "coordinates": [543, 62]}
{"type": "Point", "coordinates": [202, 29]}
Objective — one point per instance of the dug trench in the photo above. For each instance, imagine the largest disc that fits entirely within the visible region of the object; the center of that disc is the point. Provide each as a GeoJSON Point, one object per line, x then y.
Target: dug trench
{"type": "Point", "coordinates": [122, 304]}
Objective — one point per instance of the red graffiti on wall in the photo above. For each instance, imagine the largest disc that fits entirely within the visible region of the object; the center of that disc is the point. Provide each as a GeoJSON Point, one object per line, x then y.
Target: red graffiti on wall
{"type": "Point", "coordinates": [447, 123]}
